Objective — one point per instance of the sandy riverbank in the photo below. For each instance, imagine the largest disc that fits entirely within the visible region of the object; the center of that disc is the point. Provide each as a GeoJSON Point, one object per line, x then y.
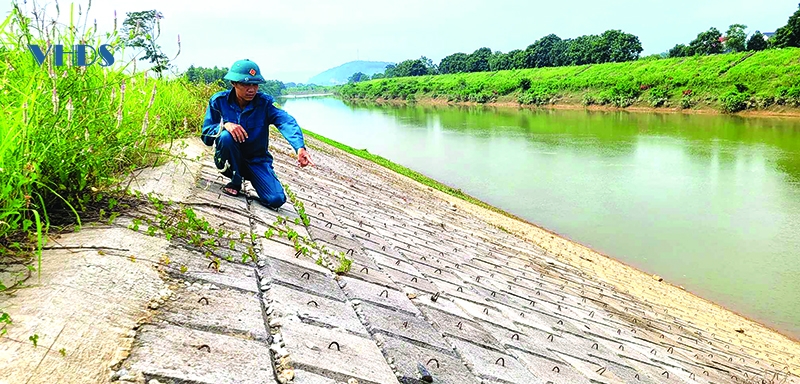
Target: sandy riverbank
{"type": "Point", "coordinates": [782, 111]}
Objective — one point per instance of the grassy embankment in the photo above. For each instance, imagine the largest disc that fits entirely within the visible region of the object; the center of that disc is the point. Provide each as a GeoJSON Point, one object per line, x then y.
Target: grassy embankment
{"type": "Point", "coordinates": [766, 80]}
{"type": "Point", "coordinates": [70, 132]}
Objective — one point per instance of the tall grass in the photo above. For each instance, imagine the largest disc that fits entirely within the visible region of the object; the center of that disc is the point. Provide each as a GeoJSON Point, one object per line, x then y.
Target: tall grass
{"type": "Point", "coordinates": [68, 130]}
{"type": "Point", "coordinates": [728, 82]}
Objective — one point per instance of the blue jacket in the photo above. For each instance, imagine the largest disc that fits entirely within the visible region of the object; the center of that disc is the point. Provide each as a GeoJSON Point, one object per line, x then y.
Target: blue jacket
{"type": "Point", "coordinates": [255, 119]}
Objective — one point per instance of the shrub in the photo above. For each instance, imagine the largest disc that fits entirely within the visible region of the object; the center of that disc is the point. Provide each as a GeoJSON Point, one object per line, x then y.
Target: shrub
{"type": "Point", "coordinates": [734, 101]}
{"type": "Point", "coordinates": [793, 96]}
{"type": "Point", "coordinates": [658, 97]}
{"type": "Point", "coordinates": [623, 94]}
{"type": "Point", "coordinates": [525, 84]}
{"type": "Point", "coordinates": [506, 87]}
{"type": "Point", "coordinates": [679, 82]}
{"type": "Point", "coordinates": [588, 100]}
{"type": "Point", "coordinates": [604, 98]}
{"type": "Point", "coordinates": [482, 97]}
{"type": "Point", "coordinates": [764, 101]}
{"type": "Point", "coordinates": [538, 96]}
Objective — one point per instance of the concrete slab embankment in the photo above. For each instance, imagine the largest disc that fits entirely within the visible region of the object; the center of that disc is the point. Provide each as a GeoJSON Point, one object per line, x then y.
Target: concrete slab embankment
{"type": "Point", "coordinates": [518, 298]}
{"type": "Point", "coordinates": [435, 293]}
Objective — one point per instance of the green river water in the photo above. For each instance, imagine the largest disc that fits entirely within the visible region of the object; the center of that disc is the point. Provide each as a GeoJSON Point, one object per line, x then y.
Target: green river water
{"type": "Point", "coordinates": [708, 202]}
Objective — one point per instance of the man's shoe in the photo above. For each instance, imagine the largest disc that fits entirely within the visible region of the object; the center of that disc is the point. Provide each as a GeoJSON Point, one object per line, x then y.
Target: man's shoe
{"type": "Point", "coordinates": [237, 188]}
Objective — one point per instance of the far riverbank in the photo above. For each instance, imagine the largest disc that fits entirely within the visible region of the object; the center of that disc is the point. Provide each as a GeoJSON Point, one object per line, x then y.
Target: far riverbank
{"type": "Point", "coordinates": [761, 83]}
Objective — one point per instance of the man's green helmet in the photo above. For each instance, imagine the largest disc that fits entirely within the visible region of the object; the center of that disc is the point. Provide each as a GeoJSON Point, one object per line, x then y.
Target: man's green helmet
{"type": "Point", "coordinates": [245, 71]}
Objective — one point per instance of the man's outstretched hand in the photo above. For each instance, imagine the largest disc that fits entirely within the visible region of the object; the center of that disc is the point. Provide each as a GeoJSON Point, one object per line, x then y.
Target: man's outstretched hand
{"type": "Point", "coordinates": [303, 158]}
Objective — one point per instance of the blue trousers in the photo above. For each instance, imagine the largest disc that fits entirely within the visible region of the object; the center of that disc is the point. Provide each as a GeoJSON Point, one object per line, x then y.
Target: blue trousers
{"type": "Point", "coordinates": [258, 171]}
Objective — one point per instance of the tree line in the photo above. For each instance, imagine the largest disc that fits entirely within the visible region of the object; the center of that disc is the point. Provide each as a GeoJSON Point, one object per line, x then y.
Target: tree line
{"type": "Point", "coordinates": [216, 76]}
{"type": "Point", "coordinates": [611, 46]}
{"type": "Point", "coordinates": [735, 39]}
{"type": "Point", "coordinates": [549, 51]}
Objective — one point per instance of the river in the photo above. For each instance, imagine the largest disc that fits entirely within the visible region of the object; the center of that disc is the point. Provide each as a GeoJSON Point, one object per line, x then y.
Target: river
{"type": "Point", "coordinates": [709, 202]}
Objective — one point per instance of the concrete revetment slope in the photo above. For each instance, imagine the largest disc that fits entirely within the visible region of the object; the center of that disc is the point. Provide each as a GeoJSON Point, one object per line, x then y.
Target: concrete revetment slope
{"type": "Point", "coordinates": [435, 293]}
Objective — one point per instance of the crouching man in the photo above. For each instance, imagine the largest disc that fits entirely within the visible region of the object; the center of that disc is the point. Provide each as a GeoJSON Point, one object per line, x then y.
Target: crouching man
{"type": "Point", "coordinates": [237, 123]}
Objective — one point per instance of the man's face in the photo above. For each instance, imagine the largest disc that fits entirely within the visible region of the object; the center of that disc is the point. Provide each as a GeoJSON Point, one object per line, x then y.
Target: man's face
{"type": "Point", "coordinates": [245, 91]}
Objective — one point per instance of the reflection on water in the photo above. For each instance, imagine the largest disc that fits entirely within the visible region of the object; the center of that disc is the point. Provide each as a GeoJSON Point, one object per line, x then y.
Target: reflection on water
{"type": "Point", "coordinates": [708, 202]}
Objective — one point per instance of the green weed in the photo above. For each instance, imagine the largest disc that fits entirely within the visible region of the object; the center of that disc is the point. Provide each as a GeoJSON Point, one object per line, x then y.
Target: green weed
{"type": "Point", "coordinates": [6, 320]}
{"type": "Point", "coordinates": [34, 339]}
{"type": "Point", "coordinates": [344, 264]}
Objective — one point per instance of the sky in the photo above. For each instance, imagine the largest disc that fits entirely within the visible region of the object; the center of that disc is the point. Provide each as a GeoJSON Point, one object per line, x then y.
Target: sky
{"type": "Point", "coordinates": [294, 40]}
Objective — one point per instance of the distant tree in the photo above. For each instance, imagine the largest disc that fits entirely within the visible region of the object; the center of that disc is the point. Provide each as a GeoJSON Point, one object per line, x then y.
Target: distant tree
{"type": "Point", "coordinates": [431, 68]}
{"type": "Point", "coordinates": [390, 70]}
{"type": "Point", "coordinates": [192, 74]}
{"type": "Point", "coordinates": [478, 61]}
{"type": "Point", "coordinates": [455, 63]}
{"type": "Point", "coordinates": [141, 30]}
{"type": "Point", "coordinates": [499, 62]}
{"type": "Point", "coordinates": [379, 75]}
{"type": "Point", "coordinates": [356, 77]}
{"type": "Point", "coordinates": [207, 75]}
{"type": "Point", "coordinates": [655, 56]}
{"type": "Point", "coordinates": [304, 89]}
{"type": "Point", "coordinates": [215, 76]}
{"type": "Point", "coordinates": [272, 87]}
{"type": "Point", "coordinates": [680, 50]}
{"type": "Point", "coordinates": [619, 46]}
{"type": "Point", "coordinates": [707, 43]}
{"type": "Point", "coordinates": [545, 52]}
{"type": "Point", "coordinates": [402, 70]}
{"type": "Point", "coordinates": [789, 34]}
{"type": "Point", "coordinates": [584, 50]}
{"type": "Point", "coordinates": [736, 38]}
{"type": "Point", "coordinates": [410, 68]}
{"type": "Point", "coordinates": [516, 59]}
{"type": "Point", "coordinates": [757, 42]}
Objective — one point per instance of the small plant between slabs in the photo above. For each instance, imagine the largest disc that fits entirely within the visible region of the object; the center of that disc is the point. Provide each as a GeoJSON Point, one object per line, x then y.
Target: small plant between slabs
{"type": "Point", "coordinates": [35, 339]}
{"type": "Point", "coordinates": [344, 264]}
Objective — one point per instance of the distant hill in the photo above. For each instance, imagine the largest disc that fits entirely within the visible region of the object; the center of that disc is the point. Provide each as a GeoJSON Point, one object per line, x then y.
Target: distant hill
{"type": "Point", "coordinates": [339, 75]}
